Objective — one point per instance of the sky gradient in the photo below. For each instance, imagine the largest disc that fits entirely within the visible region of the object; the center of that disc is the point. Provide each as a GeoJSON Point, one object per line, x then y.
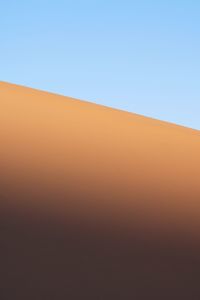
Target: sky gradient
{"type": "Point", "coordinates": [140, 56]}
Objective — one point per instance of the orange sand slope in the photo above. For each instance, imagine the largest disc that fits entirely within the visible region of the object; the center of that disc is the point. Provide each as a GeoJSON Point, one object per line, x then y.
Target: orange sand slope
{"type": "Point", "coordinates": [95, 203]}
{"type": "Point", "coordinates": [76, 158]}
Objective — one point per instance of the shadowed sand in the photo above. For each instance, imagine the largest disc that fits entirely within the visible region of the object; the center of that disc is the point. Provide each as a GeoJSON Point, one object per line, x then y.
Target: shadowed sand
{"type": "Point", "coordinates": [95, 203]}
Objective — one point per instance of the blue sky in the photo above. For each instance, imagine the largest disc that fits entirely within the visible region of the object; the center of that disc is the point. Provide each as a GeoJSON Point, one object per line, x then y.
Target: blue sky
{"type": "Point", "coordinates": [142, 56]}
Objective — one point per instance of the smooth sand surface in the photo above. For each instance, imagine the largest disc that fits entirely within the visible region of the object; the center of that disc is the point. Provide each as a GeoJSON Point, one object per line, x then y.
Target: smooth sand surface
{"type": "Point", "coordinates": [95, 203]}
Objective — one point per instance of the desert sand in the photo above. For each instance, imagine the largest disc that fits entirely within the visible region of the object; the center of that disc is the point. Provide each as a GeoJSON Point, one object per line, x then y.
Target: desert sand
{"type": "Point", "coordinates": [95, 203]}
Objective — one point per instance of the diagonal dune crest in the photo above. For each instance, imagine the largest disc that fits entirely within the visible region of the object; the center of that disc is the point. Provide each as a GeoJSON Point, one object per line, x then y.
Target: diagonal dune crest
{"type": "Point", "coordinates": [70, 168]}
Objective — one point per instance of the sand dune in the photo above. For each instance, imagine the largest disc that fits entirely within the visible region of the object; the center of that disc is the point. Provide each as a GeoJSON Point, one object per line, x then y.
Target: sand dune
{"type": "Point", "coordinates": [95, 201]}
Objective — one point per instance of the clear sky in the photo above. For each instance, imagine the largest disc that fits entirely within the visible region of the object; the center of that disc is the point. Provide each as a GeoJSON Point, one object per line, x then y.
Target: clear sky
{"type": "Point", "coordinates": [142, 56]}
